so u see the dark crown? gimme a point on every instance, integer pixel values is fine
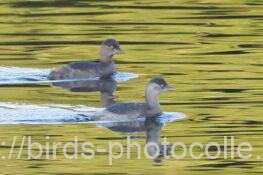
(112, 42)
(160, 81)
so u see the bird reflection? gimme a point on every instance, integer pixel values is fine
(106, 86)
(152, 126)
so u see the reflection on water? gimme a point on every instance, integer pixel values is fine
(44, 114)
(64, 114)
(20, 75)
(152, 126)
(211, 51)
(106, 87)
(17, 75)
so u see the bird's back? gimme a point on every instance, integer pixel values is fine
(83, 69)
(83, 65)
(76, 70)
(122, 112)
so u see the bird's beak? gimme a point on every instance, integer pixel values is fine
(118, 51)
(168, 88)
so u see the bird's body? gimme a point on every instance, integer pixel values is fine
(122, 112)
(86, 69)
(82, 70)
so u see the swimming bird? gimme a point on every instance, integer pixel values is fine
(151, 107)
(86, 69)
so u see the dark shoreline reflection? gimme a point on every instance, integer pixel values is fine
(106, 86)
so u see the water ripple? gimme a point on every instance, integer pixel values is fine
(17, 75)
(13, 113)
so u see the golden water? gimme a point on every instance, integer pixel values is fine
(211, 51)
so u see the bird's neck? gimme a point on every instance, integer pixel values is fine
(105, 56)
(152, 102)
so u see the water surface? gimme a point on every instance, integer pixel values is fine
(210, 51)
